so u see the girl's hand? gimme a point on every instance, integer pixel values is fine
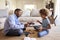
(41, 28)
(38, 21)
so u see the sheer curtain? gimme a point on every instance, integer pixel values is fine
(57, 12)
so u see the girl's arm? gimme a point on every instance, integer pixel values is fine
(39, 21)
(48, 27)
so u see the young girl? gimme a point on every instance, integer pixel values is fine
(45, 23)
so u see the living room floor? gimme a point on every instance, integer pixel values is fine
(54, 34)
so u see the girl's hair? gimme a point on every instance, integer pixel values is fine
(43, 12)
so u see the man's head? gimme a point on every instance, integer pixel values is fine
(18, 12)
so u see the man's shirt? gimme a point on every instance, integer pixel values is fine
(12, 22)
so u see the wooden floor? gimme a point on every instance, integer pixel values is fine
(54, 34)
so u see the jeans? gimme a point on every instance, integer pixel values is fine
(15, 32)
(43, 33)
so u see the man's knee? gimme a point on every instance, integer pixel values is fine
(13, 33)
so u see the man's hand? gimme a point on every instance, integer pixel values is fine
(27, 25)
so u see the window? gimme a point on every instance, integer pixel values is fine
(27, 10)
(29, 6)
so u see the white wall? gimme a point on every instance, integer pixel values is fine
(39, 3)
(12, 4)
(21, 3)
(2, 4)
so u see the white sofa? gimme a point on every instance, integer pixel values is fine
(2, 20)
(22, 19)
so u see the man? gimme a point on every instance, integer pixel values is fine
(12, 26)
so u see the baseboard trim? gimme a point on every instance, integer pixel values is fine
(1, 29)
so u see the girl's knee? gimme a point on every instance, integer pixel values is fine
(43, 33)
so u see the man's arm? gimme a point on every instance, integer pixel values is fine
(13, 25)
